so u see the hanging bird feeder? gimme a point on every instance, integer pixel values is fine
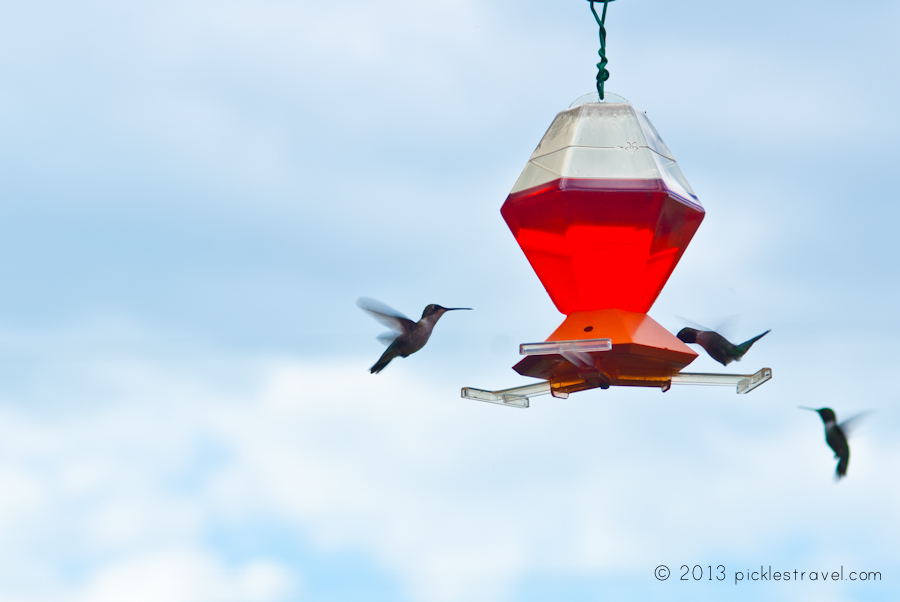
(603, 213)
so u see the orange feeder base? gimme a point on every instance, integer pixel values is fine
(644, 354)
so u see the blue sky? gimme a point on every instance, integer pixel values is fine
(195, 193)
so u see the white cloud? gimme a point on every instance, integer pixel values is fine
(186, 576)
(457, 499)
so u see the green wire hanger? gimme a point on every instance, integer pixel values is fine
(602, 72)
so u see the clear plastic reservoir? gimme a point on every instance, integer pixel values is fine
(602, 210)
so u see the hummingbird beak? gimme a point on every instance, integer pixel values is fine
(458, 308)
(810, 409)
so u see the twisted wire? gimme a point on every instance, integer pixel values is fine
(602, 72)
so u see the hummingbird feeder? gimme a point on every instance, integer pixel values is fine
(603, 213)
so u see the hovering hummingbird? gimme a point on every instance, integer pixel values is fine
(407, 336)
(717, 346)
(836, 437)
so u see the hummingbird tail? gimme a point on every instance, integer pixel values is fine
(745, 346)
(841, 470)
(382, 362)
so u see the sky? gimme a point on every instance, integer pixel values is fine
(193, 195)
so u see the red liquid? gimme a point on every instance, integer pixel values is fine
(602, 244)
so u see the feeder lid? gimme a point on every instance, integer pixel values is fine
(604, 140)
(608, 97)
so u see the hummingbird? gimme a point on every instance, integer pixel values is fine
(717, 346)
(407, 336)
(836, 437)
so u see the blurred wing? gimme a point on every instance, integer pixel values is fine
(388, 316)
(693, 324)
(386, 338)
(728, 327)
(725, 327)
(852, 423)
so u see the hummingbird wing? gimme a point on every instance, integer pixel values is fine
(388, 316)
(852, 423)
(724, 326)
(386, 338)
(693, 324)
